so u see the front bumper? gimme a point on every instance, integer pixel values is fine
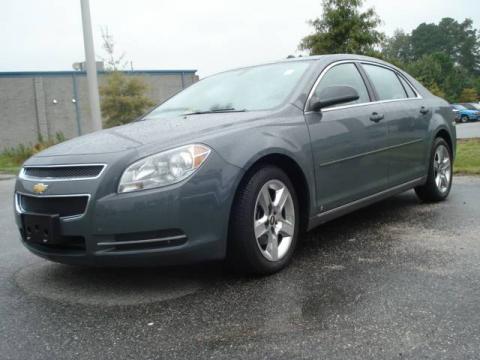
(178, 224)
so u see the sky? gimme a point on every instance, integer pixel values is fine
(205, 35)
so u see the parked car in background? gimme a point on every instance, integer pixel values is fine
(471, 106)
(464, 114)
(237, 165)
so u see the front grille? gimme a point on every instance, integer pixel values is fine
(63, 172)
(62, 206)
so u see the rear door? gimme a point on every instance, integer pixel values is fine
(406, 118)
(347, 142)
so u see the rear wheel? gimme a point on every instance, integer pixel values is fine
(439, 180)
(264, 223)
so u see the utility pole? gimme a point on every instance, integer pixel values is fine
(93, 96)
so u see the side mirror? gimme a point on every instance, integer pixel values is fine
(333, 95)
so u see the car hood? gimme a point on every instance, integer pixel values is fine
(164, 132)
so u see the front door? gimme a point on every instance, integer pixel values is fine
(348, 142)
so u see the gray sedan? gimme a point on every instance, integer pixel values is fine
(236, 166)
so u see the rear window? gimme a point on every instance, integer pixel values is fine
(386, 82)
(408, 88)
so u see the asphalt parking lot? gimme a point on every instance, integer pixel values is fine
(399, 279)
(468, 130)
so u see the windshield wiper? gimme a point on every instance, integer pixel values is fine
(213, 111)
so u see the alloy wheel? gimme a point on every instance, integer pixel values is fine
(274, 220)
(442, 166)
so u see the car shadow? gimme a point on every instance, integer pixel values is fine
(132, 286)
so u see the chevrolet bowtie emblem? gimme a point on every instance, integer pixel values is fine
(39, 188)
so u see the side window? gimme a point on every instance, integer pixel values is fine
(347, 75)
(385, 82)
(408, 88)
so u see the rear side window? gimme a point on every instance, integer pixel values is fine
(346, 75)
(408, 88)
(386, 82)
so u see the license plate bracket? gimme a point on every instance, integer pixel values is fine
(41, 229)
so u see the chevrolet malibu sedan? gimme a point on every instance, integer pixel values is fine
(238, 165)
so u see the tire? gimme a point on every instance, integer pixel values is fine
(257, 217)
(440, 173)
(464, 119)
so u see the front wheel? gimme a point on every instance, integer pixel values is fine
(439, 180)
(264, 223)
(464, 119)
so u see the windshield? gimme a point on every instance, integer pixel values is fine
(459, 107)
(255, 88)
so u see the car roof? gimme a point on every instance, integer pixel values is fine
(335, 57)
(327, 58)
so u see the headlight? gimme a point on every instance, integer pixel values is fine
(164, 168)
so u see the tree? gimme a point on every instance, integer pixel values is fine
(344, 28)
(426, 39)
(398, 47)
(428, 70)
(468, 95)
(476, 84)
(441, 75)
(436, 90)
(445, 57)
(123, 99)
(112, 61)
(457, 40)
(469, 48)
(123, 96)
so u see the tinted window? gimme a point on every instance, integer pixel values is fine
(408, 88)
(385, 82)
(347, 75)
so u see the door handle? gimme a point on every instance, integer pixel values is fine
(424, 110)
(376, 117)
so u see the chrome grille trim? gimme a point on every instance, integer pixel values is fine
(146, 241)
(23, 175)
(20, 210)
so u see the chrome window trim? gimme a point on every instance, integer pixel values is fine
(20, 210)
(324, 71)
(23, 176)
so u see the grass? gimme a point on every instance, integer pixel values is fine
(11, 159)
(8, 165)
(467, 161)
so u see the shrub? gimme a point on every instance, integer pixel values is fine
(123, 99)
(18, 154)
